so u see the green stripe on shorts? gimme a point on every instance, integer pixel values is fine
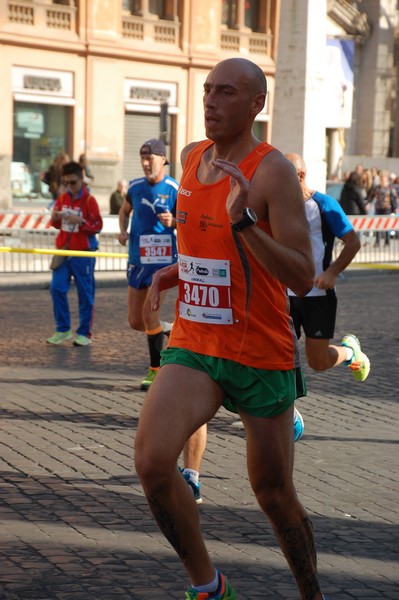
(258, 392)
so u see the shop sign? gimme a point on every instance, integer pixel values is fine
(42, 81)
(50, 84)
(151, 94)
(139, 91)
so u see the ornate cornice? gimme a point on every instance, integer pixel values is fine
(352, 21)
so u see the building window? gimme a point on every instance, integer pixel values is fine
(41, 131)
(132, 6)
(143, 8)
(157, 7)
(229, 13)
(247, 26)
(259, 130)
(251, 14)
(237, 14)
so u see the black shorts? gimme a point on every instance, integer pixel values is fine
(315, 314)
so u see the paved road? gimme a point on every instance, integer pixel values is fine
(74, 523)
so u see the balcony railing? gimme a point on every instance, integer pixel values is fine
(53, 16)
(244, 41)
(157, 30)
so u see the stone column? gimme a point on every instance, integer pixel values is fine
(298, 119)
(373, 100)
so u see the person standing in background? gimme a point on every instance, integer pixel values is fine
(53, 177)
(77, 217)
(352, 195)
(88, 176)
(118, 197)
(385, 200)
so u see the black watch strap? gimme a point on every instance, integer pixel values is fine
(248, 218)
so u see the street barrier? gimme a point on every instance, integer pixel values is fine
(27, 242)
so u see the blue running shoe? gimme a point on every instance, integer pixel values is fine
(224, 592)
(196, 487)
(299, 426)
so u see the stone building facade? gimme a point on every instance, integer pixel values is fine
(100, 77)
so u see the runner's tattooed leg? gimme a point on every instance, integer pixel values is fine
(299, 549)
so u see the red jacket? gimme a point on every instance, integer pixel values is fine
(84, 238)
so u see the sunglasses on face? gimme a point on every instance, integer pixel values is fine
(69, 182)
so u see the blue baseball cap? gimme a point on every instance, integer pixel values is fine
(154, 146)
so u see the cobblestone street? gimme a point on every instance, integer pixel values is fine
(73, 519)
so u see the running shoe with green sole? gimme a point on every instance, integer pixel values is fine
(81, 340)
(59, 337)
(145, 384)
(360, 364)
(224, 592)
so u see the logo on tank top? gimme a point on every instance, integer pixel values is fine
(208, 221)
(181, 216)
(184, 192)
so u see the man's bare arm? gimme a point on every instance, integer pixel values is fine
(123, 218)
(164, 279)
(274, 193)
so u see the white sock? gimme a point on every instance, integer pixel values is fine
(194, 475)
(212, 586)
(349, 353)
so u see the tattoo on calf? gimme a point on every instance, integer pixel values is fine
(167, 526)
(299, 549)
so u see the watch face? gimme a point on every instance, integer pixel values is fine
(251, 214)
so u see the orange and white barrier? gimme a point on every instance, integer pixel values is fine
(10, 219)
(23, 220)
(27, 239)
(374, 223)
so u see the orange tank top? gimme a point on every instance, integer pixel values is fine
(228, 306)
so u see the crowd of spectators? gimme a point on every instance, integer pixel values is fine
(370, 191)
(367, 183)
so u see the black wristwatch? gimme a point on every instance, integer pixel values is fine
(248, 218)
